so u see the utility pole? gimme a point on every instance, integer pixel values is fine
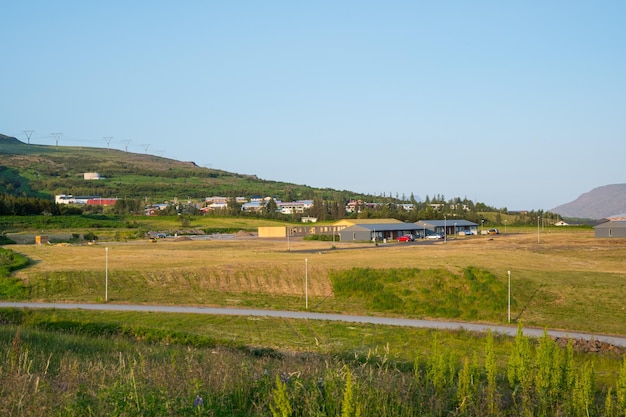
(509, 296)
(145, 147)
(125, 142)
(306, 283)
(106, 275)
(56, 137)
(28, 134)
(108, 139)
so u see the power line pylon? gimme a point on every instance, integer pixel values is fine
(28, 134)
(56, 137)
(125, 142)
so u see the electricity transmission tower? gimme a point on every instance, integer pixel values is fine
(56, 137)
(145, 147)
(125, 142)
(28, 134)
(108, 139)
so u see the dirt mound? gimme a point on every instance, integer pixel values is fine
(243, 233)
(590, 346)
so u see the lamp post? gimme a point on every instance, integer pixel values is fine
(306, 283)
(106, 274)
(445, 229)
(454, 229)
(509, 296)
(288, 243)
(505, 227)
(537, 229)
(482, 227)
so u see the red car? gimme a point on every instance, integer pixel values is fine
(405, 238)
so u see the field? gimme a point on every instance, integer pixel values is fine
(569, 280)
(156, 364)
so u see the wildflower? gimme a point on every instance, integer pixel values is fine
(198, 401)
(320, 384)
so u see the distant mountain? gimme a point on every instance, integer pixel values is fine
(599, 203)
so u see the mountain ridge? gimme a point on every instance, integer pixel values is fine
(599, 203)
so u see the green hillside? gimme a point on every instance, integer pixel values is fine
(44, 171)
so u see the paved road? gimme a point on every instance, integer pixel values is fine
(386, 321)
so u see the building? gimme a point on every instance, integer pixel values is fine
(328, 230)
(253, 206)
(447, 227)
(91, 176)
(92, 200)
(99, 201)
(377, 231)
(614, 229)
(294, 207)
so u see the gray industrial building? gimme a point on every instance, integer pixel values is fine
(378, 231)
(391, 231)
(615, 229)
(448, 226)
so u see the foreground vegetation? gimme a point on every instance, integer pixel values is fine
(78, 367)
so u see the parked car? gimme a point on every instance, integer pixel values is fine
(493, 232)
(434, 236)
(406, 238)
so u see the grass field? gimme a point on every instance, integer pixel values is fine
(567, 280)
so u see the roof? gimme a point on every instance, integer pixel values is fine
(617, 217)
(619, 224)
(352, 222)
(383, 227)
(448, 222)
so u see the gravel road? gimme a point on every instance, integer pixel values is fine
(385, 321)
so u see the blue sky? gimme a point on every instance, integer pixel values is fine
(515, 104)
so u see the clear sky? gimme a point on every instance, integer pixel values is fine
(517, 104)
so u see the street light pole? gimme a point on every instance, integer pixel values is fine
(537, 229)
(106, 274)
(509, 296)
(505, 227)
(306, 283)
(445, 229)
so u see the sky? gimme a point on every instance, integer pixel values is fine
(515, 104)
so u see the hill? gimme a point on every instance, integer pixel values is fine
(45, 171)
(599, 203)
